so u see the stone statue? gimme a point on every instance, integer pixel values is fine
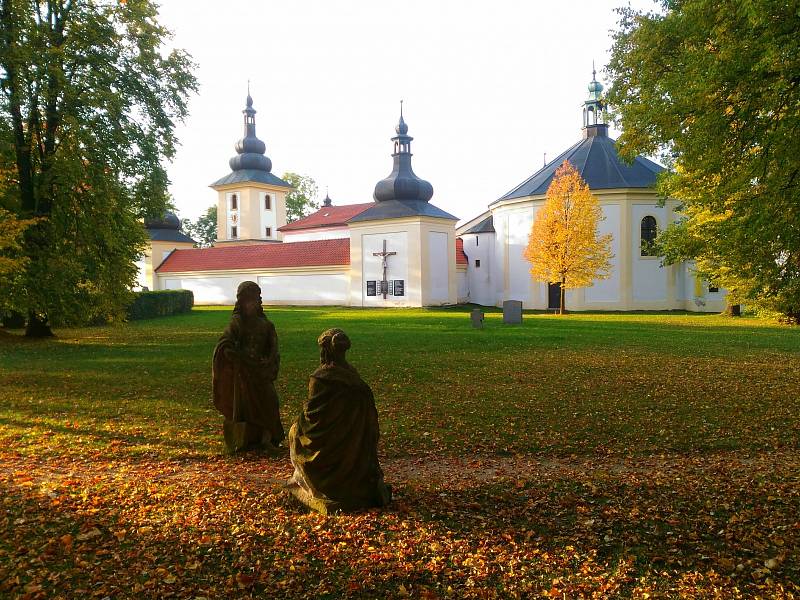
(245, 366)
(333, 444)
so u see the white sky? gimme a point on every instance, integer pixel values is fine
(488, 86)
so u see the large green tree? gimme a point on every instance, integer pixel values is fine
(714, 85)
(88, 102)
(300, 201)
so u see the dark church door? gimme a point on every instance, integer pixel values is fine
(554, 296)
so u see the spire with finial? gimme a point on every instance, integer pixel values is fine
(593, 115)
(401, 128)
(250, 150)
(402, 184)
(327, 201)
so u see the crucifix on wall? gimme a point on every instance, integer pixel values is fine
(384, 281)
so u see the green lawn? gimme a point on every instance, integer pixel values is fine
(594, 454)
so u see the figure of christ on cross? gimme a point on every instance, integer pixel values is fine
(384, 281)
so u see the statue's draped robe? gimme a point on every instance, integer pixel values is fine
(255, 341)
(333, 444)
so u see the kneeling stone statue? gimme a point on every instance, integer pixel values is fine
(333, 444)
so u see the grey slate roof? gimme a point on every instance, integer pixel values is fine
(168, 235)
(394, 209)
(245, 175)
(485, 226)
(596, 159)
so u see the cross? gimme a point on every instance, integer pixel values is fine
(383, 255)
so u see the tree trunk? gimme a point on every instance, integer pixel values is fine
(37, 326)
(562, 309)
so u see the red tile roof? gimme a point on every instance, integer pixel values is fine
(317, 253)
(461, 257)
(328, 216)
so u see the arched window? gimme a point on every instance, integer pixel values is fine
(234, 201)
(649, 233)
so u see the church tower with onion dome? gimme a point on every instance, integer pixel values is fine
(251, 205)
(402, 248)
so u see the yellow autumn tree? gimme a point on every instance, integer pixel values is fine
(564, 246)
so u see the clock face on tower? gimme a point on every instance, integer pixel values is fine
(234, 218)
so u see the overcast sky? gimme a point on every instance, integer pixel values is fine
(489, 87)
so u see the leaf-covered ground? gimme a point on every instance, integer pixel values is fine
(632, 455)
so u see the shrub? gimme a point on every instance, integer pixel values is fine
(148, 305)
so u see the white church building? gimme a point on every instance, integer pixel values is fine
(401, 250)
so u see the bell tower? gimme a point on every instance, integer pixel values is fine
(251, 203)
(594, 110)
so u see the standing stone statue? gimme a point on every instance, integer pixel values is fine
(333, 444)
(245, 366)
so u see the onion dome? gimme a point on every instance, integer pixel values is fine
(402, 184)
(595, 87)
(168, 221)
(250, 150)
(402, 128)
(327, 201)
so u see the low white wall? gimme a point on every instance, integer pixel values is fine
(311, 289)
(206, 290)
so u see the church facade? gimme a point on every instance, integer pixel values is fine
(401, 250)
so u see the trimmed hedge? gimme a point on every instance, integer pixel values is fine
(163, 303)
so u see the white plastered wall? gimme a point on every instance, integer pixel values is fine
(479, 281)
(636, 282)
(397, 267)
(322, 233)
(314, 286)
(414, 242)
(438, 266)
(462, 285)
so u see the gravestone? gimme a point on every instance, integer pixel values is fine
(477, 318)
(512, 312)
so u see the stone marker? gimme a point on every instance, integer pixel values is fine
(477, 318)
(333, 444)
(244, 368)
(512, 312)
